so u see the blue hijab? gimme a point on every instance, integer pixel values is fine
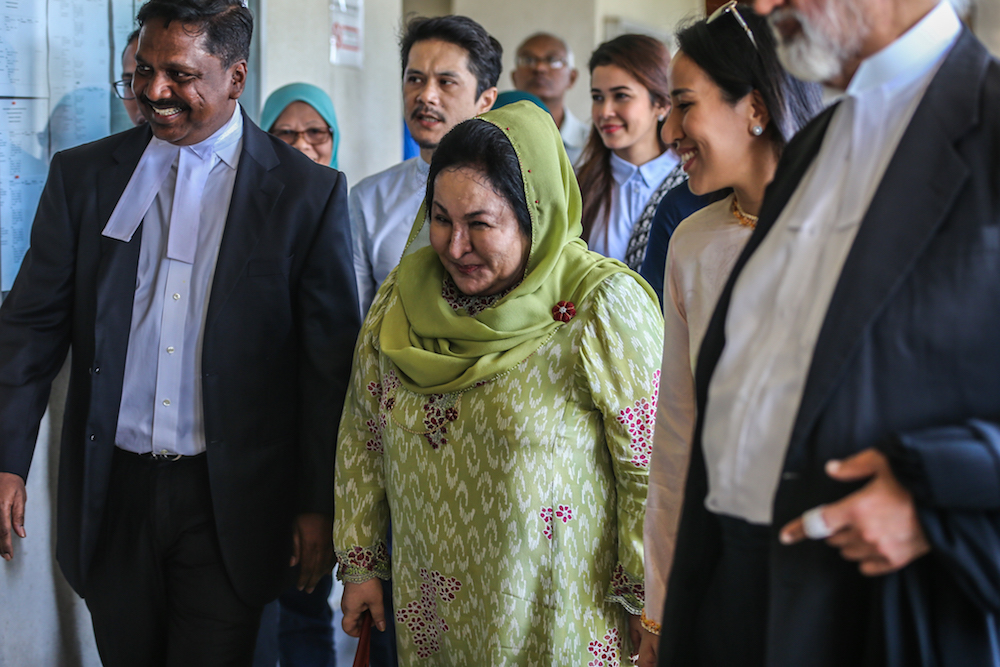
(279, 100)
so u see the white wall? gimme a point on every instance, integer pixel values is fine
(368, 101)
(514, 20)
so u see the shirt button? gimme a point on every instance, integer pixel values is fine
(166, 401)
(176, 296)
(93, 437)
(170, 350)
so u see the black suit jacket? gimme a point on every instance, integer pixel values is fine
(907, 360)
(279, 335)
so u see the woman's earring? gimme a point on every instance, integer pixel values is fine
(661, 117)
(757, 130)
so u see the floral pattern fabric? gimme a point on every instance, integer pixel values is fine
(517, 505)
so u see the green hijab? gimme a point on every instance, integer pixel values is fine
(312, 95)
(440, 350)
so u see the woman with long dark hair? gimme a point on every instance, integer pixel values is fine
(625, 169)
(733, 110)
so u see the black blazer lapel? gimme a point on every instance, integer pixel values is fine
(900, 222)
(254, 195)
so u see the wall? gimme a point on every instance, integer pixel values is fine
(427, 7)
(988, 24)
(296, 47)
(580, 22)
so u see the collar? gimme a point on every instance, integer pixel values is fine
(651, 174)
(153, 167)
(422, 167)
(225, 142)
(912, 55)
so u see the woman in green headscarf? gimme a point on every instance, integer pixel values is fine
(302, 115)
(501, 407)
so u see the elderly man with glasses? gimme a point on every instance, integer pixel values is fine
(544, 67)
(123, 87)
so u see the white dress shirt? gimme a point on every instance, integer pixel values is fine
(634, 186)
(161, 408)
(574, 133)
(780, 299)
(382, 209)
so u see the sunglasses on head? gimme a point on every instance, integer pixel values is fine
(730, 8)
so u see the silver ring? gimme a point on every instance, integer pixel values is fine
(814, 525)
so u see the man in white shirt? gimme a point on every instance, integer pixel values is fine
(544, 67)
(450, 71)
(849, 384)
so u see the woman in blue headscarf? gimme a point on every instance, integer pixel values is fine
(302, 115)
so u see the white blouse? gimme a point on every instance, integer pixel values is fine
(635, 185)
(700, 257)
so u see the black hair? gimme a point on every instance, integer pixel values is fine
(226, 24)
(483, 146)
(132, 37)
(723, 50)
(485, 52)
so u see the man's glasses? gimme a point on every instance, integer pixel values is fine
(123, 89)
(730, 8)
(314, 135)
(552, 62)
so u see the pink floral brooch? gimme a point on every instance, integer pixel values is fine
(563, 311)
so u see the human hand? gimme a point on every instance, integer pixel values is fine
(12, 500)
(312, 548)
(635, 635)
(648, 649)
(876, 525)
(359, 598)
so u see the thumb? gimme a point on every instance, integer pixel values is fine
(377, 610)
(17, 518)
(860, 466)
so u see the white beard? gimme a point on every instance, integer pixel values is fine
(829, 38)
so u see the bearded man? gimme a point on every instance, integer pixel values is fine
(844, 485)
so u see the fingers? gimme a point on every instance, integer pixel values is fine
(12, 501)
(377, 609)
(792, 532)
(823, 521)
(352, 623)
(863, 464)
(308, 578)
(315, 561)
(313, 549)
(876, 526)
(359, 599)
(818, 523)
(648, 649)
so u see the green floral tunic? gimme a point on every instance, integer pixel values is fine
(517, 505)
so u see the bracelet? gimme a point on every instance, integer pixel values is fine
(649, 626)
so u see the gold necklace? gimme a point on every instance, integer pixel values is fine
(742, 217)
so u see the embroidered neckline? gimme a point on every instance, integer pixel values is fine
(472, 305)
